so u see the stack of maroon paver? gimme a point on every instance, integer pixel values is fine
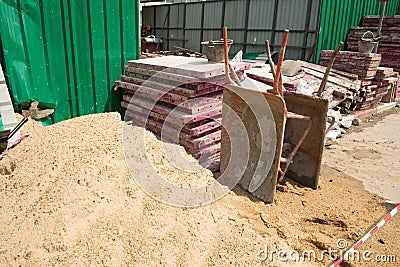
(389, 45)
(375, 81)
(179, 99)
(364, 65)
(388, 77)
(371, 93)
(265, 76)
(384, 73)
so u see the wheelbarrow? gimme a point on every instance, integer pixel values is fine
(299, 122)
(305, 162)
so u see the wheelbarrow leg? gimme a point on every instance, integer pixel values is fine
(287, 161)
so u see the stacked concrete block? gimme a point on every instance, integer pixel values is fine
(389, 78)
(374, 83)
(264, 75)
(371, 93)
(389, 45)
(363, 65)
(179, 99)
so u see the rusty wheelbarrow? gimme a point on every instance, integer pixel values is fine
(296, 131)
(305, 129)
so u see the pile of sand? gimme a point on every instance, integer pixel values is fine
(67, 198)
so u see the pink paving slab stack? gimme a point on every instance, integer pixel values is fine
(364, 65)
(179, 99)
(376, 81)
(389, 45)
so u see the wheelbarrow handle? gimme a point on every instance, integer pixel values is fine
(270, 60)
(278, 87)
(225, 33)
(228, 66)
(328, 69)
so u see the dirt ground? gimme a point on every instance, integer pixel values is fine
(370, 153)
(68, 199)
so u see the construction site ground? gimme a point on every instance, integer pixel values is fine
(67, 198)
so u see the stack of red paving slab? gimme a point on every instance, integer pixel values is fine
(384, 73)
(388, 77)
(376, 81)
(364, 65)
(371, 93)
(389, 44)
(179, 99)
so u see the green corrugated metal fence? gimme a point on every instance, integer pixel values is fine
(338, 15)
(67, 53)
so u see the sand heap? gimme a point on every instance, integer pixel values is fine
(67, 198)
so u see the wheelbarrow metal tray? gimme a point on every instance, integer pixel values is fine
(306, 165)
(233, 100)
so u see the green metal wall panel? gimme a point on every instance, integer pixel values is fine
(66, 54)
(337, 16)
